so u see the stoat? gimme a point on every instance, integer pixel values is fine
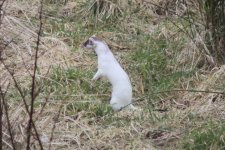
(109, 67)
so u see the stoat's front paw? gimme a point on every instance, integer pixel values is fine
(94, 79)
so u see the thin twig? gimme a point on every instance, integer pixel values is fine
(196, 91)
(7, 143)
(55, 119)
(33, 86)
(20, 92)
(23, 98)
(176, 90)
(1, 111)
(7, 115)
(2, 100)
(1, 114)
(2, 3)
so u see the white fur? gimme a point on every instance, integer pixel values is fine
(109, 67)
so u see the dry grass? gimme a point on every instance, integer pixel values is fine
(20, 32)
(102, 9)
(75, 118)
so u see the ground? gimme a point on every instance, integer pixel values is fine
(177, 90)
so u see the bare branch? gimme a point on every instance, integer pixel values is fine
(1, 114)
(33, 86)
(23, 98)
(7, 115)
(56, 118)
(196, 91)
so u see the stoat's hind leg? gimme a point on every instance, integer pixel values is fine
(116, 104)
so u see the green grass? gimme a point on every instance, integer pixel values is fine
(93, 110)
(208, 136)
(151, 63)
(74, 81)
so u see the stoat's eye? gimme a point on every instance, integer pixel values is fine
(90, 42)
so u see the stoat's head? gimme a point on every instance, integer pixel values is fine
(91, 43)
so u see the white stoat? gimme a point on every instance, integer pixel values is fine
(109, 67)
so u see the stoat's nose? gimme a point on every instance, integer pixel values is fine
(85, 44)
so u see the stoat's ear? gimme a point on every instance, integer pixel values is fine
(94, 38)
(91, 42)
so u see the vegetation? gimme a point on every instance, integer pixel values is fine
(172, 50)
(208, 136)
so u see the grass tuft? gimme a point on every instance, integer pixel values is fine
(207, 136)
